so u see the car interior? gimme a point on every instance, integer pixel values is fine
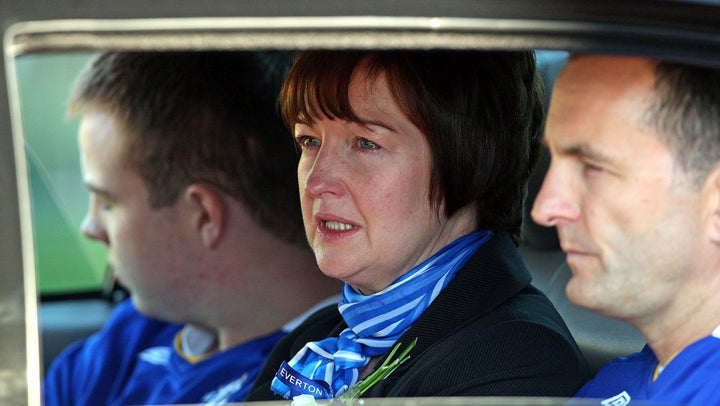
(600, 338)
(35, 328)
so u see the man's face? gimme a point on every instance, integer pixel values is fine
(628, 220)
(145, 245)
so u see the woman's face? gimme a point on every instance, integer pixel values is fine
(364, 191)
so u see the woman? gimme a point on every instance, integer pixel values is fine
(412, 179)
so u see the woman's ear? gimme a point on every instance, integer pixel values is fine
(207, 212)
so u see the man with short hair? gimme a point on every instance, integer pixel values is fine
(187, 166)
(634, 191)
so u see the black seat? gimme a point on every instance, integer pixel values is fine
(540, 247)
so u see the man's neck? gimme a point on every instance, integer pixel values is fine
(228, 337)
(669, 335)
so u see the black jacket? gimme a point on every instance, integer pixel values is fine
(488, 333)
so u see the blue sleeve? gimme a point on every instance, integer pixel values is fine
(95, 370)
(58, 388)
(75, 368)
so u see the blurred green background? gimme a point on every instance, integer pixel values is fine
(67, 263)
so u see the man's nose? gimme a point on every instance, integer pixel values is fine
(555, 201)
(93, 230)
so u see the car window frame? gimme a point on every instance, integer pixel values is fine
(677, 30)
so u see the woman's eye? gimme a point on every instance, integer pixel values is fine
(306, 141)
(364, 143)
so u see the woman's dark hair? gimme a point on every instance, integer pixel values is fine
(481, 113)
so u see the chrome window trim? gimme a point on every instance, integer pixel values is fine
(365, 32)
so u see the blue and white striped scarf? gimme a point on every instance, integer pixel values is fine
(375, 322)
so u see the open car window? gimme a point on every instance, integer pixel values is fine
(42, 199)
(66, 263)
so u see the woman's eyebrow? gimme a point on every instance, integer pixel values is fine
(376, 123)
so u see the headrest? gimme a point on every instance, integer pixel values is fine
(535, 235)
(549, 64)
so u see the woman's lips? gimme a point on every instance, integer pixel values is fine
(334, 227)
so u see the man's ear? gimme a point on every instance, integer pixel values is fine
(207, 212)
(712, 184)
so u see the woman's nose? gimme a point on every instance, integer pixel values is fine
(323, 175)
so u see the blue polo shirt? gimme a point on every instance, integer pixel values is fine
(691, 378)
